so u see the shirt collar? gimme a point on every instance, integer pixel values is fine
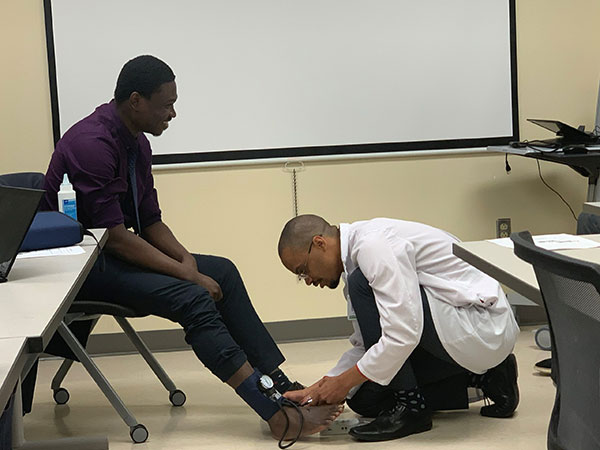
(344, 238)
(122, 130)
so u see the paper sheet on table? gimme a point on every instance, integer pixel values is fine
(60, 251)
(561, 241)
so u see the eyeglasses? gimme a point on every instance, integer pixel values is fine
(302, 274)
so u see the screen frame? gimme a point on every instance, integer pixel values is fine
(310, 151)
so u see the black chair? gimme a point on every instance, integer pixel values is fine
(90, 310)
(571, 292)
(30, 180)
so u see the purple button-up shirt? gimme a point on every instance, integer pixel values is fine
(93, 153)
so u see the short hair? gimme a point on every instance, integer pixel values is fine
(299, 231)
(144, 74)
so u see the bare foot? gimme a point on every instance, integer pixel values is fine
(316, 418)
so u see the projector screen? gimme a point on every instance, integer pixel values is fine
(277, 78)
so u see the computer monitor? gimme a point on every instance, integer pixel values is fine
(17, 210)
(567, 133)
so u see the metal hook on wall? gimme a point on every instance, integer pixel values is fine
(293, 167)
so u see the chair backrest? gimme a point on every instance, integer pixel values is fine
(31, 180)
(28, 180)
(570, 289)
(588, 223)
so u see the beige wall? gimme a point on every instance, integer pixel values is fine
(25, 128)
(238, 212)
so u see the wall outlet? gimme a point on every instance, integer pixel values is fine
(503, 227)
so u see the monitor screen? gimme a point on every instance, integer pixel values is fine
(17, 210)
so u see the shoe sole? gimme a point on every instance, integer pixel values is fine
(543, 370)
(390, 436)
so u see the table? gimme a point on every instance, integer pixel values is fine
(587, 165)
(592, 207)
(40, 291)
(33, 302)
(12, 360)
(502, 264)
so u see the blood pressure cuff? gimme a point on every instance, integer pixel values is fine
(258, 401)
(51, 229)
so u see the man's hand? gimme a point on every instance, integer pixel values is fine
(303, 396)
(331, 391)
(159, 251)
(209, 284)
(213, 288)
(190, 262)
(328, 390)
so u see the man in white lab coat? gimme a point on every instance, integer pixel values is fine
(428, 325)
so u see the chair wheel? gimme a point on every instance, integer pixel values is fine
(177, 397)
(61, 396)
(138, 433)
(542, 338)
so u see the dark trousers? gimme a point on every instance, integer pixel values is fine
(442, 381)
(223, 334)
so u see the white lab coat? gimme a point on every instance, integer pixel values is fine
(470, 312)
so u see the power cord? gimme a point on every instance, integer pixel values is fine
(554, 190)
(506, 165)
(541, 146)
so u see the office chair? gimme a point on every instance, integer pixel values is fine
(30, 180)
(571, 292)
(90, 310)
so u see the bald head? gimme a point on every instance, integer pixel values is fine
(299, 231)
(310, 248)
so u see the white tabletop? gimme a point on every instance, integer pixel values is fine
(12, 351)
(39, 292)
(502, 264)
(592, 207)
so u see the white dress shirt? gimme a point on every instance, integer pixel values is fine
(470, 312)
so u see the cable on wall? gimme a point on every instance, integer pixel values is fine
(554, 190)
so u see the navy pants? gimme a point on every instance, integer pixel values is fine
(223, 334)
(442, 381)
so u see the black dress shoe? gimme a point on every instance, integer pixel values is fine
(544, 366)
(393, 424)
(500, 385)
(296, 386)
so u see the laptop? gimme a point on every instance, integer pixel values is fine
(568, 135)
(17, 210)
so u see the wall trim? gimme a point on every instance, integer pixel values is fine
(283, 331)
(173, 339)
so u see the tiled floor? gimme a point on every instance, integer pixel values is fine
(215, 418)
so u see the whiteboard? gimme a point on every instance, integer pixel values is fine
(279, 78)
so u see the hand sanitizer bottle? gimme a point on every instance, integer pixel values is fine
(67, 203)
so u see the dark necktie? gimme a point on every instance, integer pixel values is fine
(131, 159)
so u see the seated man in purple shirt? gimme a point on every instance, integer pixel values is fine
(108, 160)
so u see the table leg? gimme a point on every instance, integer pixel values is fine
(594, 192)
(18, 436)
